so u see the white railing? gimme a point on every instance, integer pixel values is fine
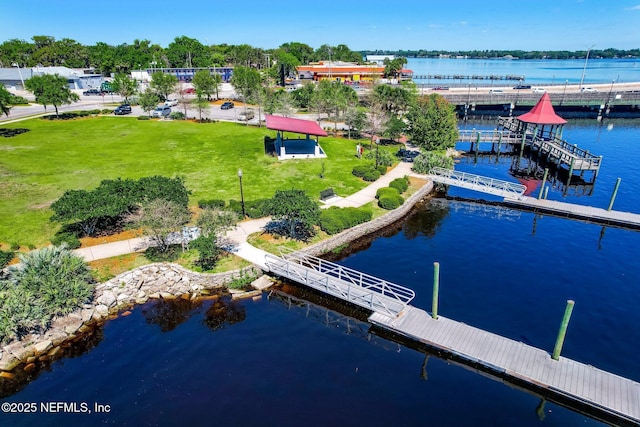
(477, 182)
(342, 282)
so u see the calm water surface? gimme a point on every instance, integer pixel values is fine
(257, 363)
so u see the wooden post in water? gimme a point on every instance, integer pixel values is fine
(544, 181)
(436, 286)
(563, 330)
(613, 196)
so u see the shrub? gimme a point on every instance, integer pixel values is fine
(212, 204)
(177, 115)
(400, 184)
(387, 191)
(371, 175)
(70, 239)
(334, 219)
(17, 100)
(430, 159)
(252, 208)
(5, 257)
(389, 201)
(144, 118)
(382, 169)
(360, 170)
(49, 282)
(106, 111)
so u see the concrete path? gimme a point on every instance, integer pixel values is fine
(245, 228)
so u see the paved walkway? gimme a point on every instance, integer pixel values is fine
(244, 228)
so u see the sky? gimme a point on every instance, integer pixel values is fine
(360, 24)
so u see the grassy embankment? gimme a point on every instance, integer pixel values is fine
(54, 156)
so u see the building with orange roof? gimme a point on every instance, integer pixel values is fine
(346, 72)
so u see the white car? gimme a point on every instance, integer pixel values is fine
(161, 111)
(246, 115)
(588, 90)
(538, 90)
(171, 102)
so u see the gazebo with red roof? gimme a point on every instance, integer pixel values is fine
(542, 120)
(296, 148)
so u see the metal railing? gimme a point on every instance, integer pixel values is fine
(350, 285)
(477, 182)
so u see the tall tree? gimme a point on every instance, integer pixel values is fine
(148, 100)
(432, 123)
(124, 85)
(163, 84)
(5, 101)
(51, 89)
(248, 83)
(393, 67)
(187, 52)
(204, 83)
(159, 218)
(297, 211)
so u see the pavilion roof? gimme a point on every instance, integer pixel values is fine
(542, 113)
(288, 124)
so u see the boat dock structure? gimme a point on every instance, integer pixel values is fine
(597, 393)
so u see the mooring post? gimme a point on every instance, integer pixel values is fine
(563, 330)
(615, 193)
(544, 181)
(436, 286)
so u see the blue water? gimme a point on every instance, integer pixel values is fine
(256, 363)
(543, 71)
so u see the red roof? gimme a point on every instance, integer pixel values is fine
(287, 124)
(542, 113)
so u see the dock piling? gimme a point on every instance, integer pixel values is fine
(436, 286)
(615, 193)
(563, 330)
(544, 181)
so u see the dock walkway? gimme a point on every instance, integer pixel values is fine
(606, 394)
(570, 210)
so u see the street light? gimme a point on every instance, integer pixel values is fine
(564, 91)
(241, 193)
(15, 64)
(584, 69)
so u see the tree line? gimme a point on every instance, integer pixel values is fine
(609, 53)
(181, 52)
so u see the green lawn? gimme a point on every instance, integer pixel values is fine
(36, 167)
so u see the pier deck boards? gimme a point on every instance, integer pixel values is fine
(586, 384)
(588, 213)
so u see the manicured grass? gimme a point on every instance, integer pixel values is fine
(38, 166)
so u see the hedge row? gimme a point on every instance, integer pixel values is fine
(369, 172)
(335, 219)
(389, 198)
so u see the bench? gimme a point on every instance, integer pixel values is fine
(327, 194)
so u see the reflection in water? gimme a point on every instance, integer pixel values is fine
(426, 219)
(224, 312)
(21, 376)
(168, 314)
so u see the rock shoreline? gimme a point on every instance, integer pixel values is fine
(152, 281)
(166, 281)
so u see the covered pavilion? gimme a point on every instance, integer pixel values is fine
(296, 148)
(542, 121)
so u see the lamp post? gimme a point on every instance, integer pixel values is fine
(15, 64)
(584, 69)
(377, 150)
(241, 193)
(564, 91)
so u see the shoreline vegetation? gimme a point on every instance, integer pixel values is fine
(21, 360)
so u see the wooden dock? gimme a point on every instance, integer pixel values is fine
(570, 210)
(609, 396)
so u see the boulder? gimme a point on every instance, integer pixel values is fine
(101, 311)
(43, 347)
(8, 361)
(18, 350)
(107, 298)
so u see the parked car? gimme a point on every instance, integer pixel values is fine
(171, 102)
(522, 87)
(246, 115)
(92, 92)
(588, 90)
(441, 88)
(189, 91)
(161, 111)
(538, 90)
(497, 91)
(122, 109)
(226, 105)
